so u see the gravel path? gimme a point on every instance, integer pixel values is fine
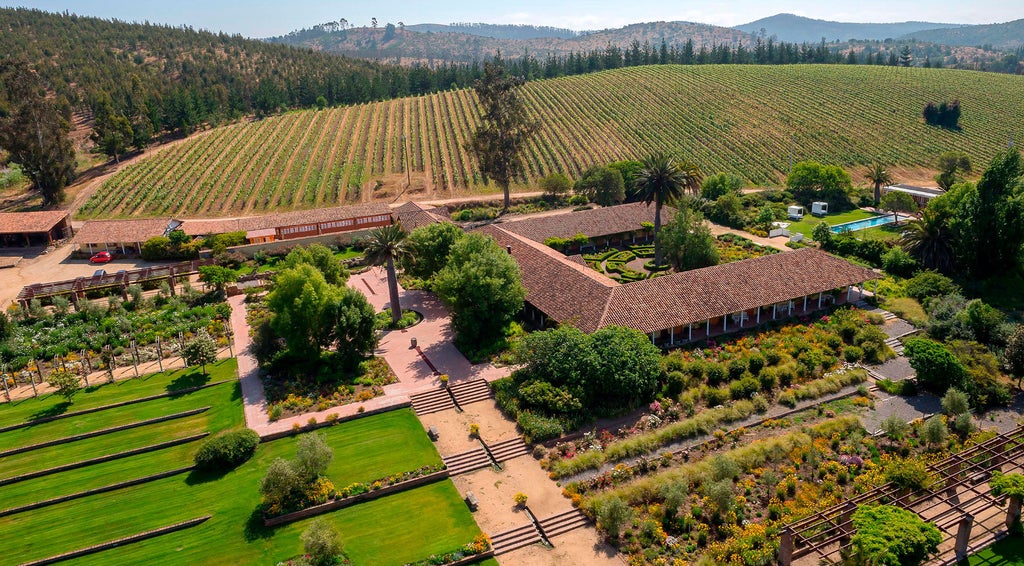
(896, 369)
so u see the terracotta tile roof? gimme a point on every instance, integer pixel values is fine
(593, 223)
(413, 215)
(30, 222)
(312, 216)
(695, 296)
(565, 291)
(116, 231)
(568, 291)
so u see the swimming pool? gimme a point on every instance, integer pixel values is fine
(863, 223)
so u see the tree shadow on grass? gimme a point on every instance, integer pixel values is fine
(51, 411)
(254, 527)
(197, 476)
(194, 378)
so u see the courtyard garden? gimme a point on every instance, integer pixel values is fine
(636, 262)
(388, 530)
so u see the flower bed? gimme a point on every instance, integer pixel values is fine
(299, 395)
(480, 545)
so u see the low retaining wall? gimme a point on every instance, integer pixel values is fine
(319, 425)
(102, 459)
(111, 406)
(368, 496)
(102, 432)
(98, 490)
(120, 542)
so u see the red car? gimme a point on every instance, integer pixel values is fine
(102, 257)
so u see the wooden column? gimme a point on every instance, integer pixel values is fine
(786, 547)
(963, 537)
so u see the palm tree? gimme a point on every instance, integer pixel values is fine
(880, 176)
(384, 246)
(663, 179)
(930, 241)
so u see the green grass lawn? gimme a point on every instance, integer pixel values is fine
(387, 531)
(104, 394)
(1007, 552)
(806, 226)
(887, 232)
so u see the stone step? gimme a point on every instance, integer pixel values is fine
(568, 526)
(564, 522)
(431, 402)
(466, 461)
(509, 449)
(471, 391)
(515, 539)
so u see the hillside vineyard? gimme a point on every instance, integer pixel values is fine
(743, 119)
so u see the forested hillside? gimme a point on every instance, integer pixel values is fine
(744, 119)
(1008, 36)
(163, 77)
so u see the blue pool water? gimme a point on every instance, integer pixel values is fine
(863, 223)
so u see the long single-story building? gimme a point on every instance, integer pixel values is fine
(921, 195)
(680, 307)
(127, 236)
(610, 225)
(33, 228)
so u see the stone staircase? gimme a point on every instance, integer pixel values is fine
(896, 345)
(515, 539)
(432, 401)
(508, 449)
(562, 523)
(465, 462)
(471, 391)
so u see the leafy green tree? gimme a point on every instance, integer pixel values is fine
(627, 367)
(613, 514)
(934, 431)
(720, 184)
(217, 275)
(505, 129)
(952, 165)
(890, 536)
(662, 180)
(1013, 356)
(64, 383)
(385, 246)
(728, 210)
(114, 136)
(956, 402)
(930, 241)
(996, 217)
(895, 428)
(765, 217)
(823, 234)
(879, 176)
(200, 350)
(602, 185)
(899, 262)
(312, 456)
(555, 186)
(280, 482)
(321, 542)
(896, 202)
(687, 241)
(629, 170)
(303, 307)
(429, 247)
(812, 181)
(320, 257)
(33, 132)
(937, 368)
(563, 356)
(353, 327)
(483, 288)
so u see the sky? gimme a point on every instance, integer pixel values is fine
(265, 18)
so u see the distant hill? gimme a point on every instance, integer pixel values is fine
(798, 29)
(742, 119)
(1007, 37)
(497, 31)
(409, 45)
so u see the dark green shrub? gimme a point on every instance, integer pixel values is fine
(550, 399)
(227, 450)
(736, 369)
(769, 378)
(538, 428)
(927, 284)
(756, 363)
(714, 396)
(853, 354)
(715, 373)
(675, 383)
(744, 388)
(898, 262)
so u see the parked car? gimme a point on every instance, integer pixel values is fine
(101, 257)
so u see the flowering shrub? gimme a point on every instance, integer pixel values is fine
(359, 487)
(481, 543)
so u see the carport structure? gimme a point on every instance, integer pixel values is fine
(33, 228)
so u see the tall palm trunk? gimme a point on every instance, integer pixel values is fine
(878, 194)
(396, 308)
(657, 228)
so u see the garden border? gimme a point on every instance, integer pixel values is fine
(94, 491)
(325, 423)
(352, 500)
(121, 541)
(25, 424)
(471, 559)
(102, 459)
(101, 432)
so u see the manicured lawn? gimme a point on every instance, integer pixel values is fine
(107, 393)
(806, 226)
(887, 232)
(393, 529)
(213, 397)
(1007, 552)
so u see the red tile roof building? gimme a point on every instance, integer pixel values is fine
(28, 228)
